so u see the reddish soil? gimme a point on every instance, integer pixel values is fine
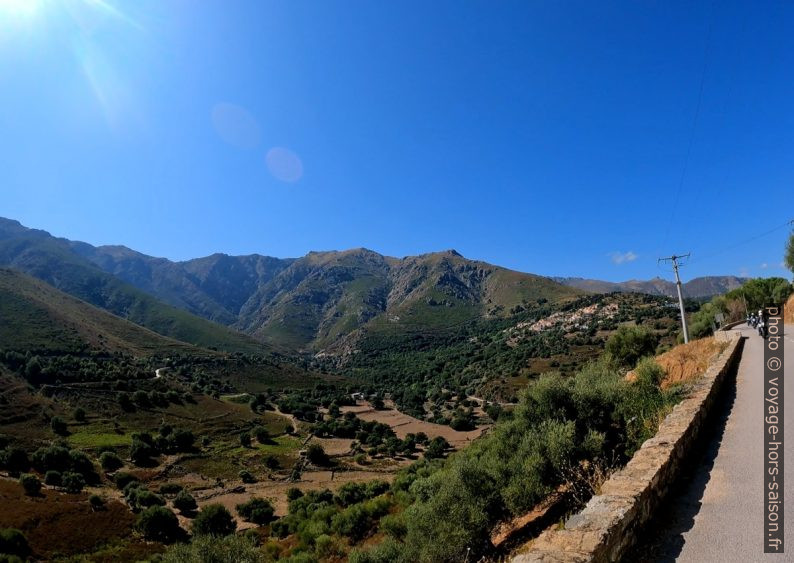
(403, 424)
(61, 524)
(276, 491)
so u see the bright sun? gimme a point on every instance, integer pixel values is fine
(19, 8)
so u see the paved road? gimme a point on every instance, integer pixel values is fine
(717, 513)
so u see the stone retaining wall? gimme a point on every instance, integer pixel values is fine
(608, 525)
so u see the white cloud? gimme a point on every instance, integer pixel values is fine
(621, 257)
(764, 266)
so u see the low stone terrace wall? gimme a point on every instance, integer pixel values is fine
(610, 522)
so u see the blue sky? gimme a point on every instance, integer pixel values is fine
(562, 138)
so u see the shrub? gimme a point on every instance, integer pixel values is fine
(184, 502)
(350, 493)
(245, 439)
(182, 441)
(14, 542)
(170, 488)
(141, 398)
(214, 520)
(58, 425)
(79, 414)
(246, 476)
(326, 547)
(628, 344)
(73, 482)
(53, 478)
(316, 455)
(262, 435)
(394, 526)
(141, 452)
(80, 463)
(125, 402)
(648, 372)
(375, 488)
(294, 493)
(30, 483)
(257, 510)
(16, 460)
(239, 549)
(110, 461)
(52, 457)
(436, 448)
(145, 498)
(122, 479)
(159, 524)
(271, 462)
(96, 502)
(385, 552)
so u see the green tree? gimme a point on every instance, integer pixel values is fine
(96, 502)
(158, 523)
(30, 483)
(14, 542)
(262, 435)
(110, 461)
(184, 502)
(15, 459)
(214, 520)
(628, 344)
(58, 425)
(141, 453)
(73, 482)
(315, 453)
(207, 549)
(788, 259)
(257, 510)
(53, 478)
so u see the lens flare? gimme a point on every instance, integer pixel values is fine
(18, 8)
(284, 164)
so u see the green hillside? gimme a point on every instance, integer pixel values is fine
(53, 261)
(34, 316)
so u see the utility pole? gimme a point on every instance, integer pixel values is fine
(674, 259)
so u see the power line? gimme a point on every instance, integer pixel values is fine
(694, 129)
(745, 241)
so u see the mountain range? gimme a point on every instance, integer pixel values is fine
(320, 302)
(707, 286)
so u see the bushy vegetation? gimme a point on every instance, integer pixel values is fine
(13, 542)
(110, 461)
(145, 446)
(630, 343)
(734, 305)
(30, 483)
(434, 366)
(316, 516)
(214, 520)
(159, 524)
(68, 462)
(257, 510)
(204, 549)
(558, 423)
(184, 502)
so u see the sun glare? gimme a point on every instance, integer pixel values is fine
(17, 8)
